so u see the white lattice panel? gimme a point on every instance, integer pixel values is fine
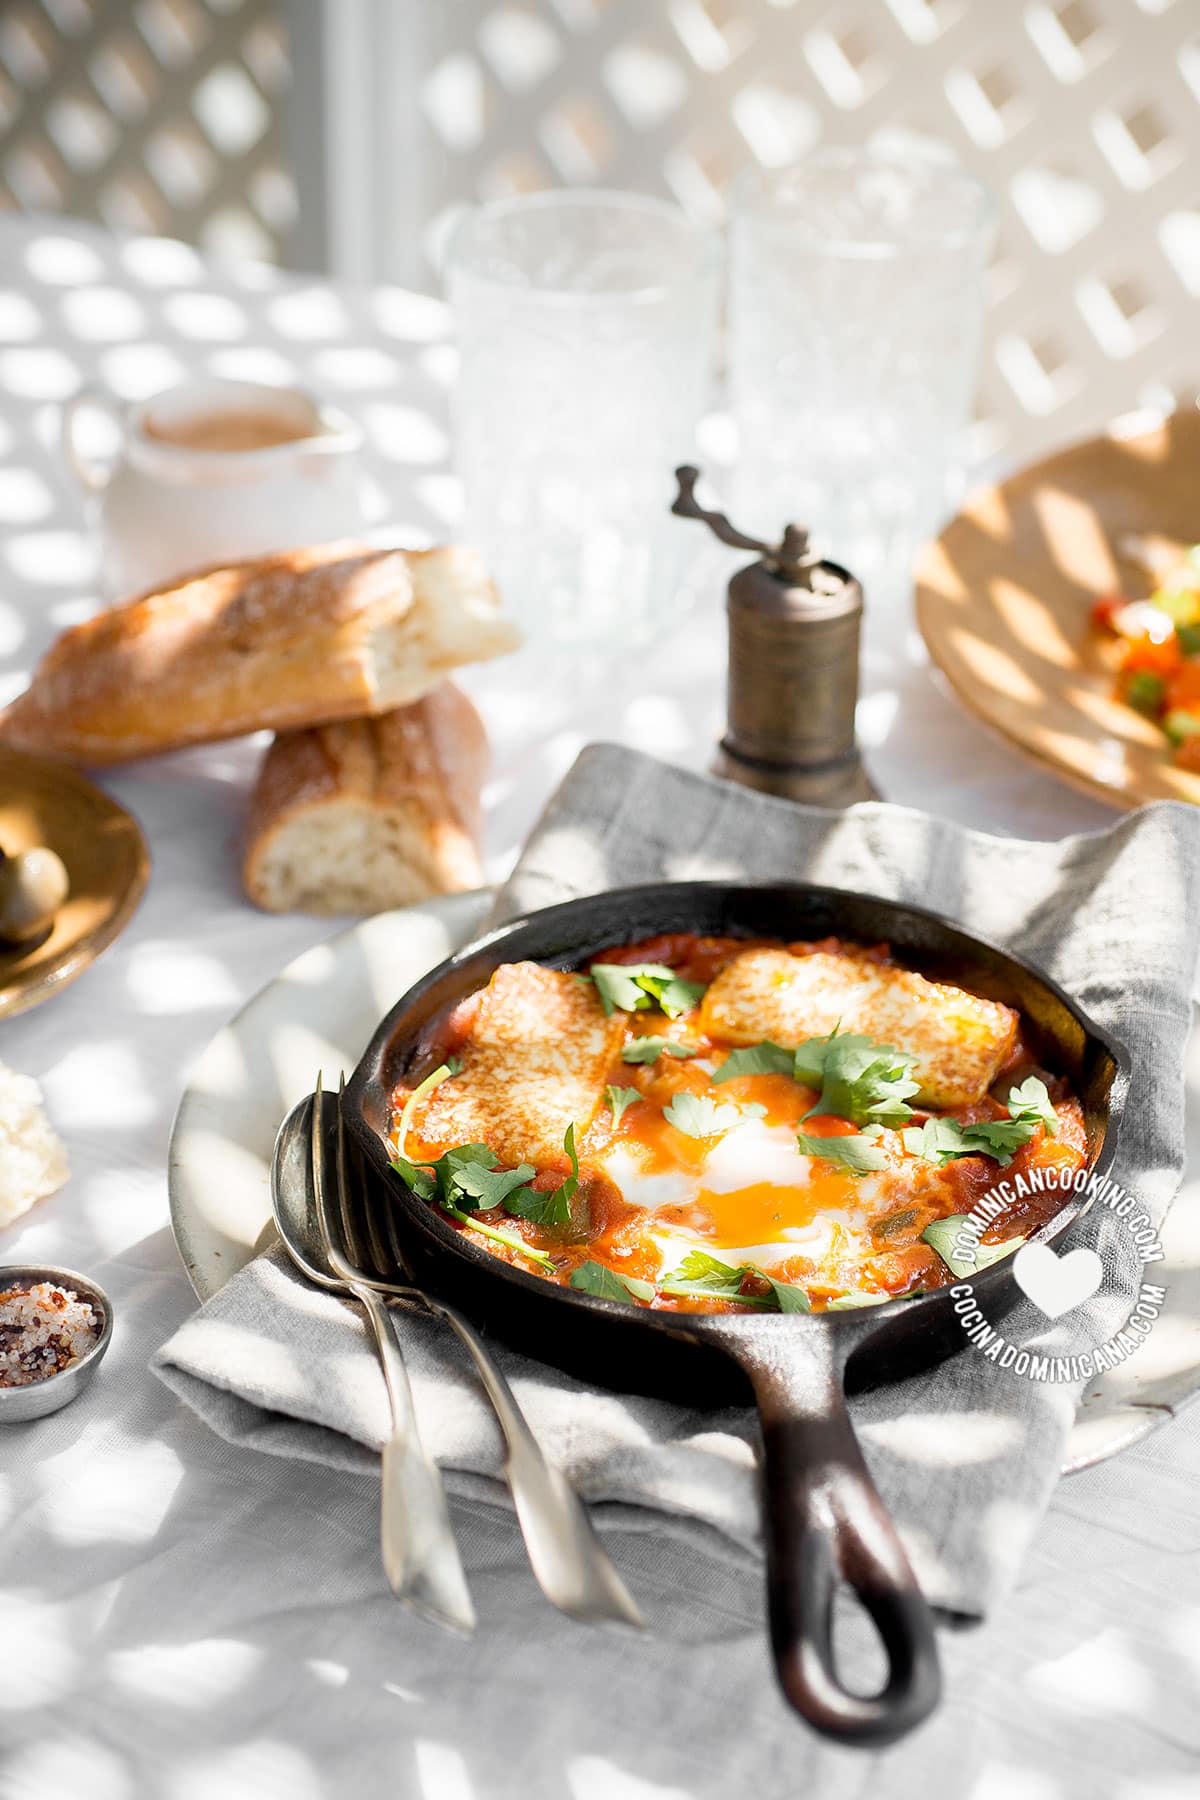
(150, 115)
(1083, 116)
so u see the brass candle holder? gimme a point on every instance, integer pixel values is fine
(793, 667)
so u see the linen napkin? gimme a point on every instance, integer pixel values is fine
(966, 1454)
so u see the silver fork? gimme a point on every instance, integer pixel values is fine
(420, 1557)
(569, 1563)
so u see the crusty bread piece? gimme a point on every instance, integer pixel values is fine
(372, 813)
(33, 1162)
(290, 640)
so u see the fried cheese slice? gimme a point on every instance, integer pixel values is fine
(535, 1060)
(959, 1041)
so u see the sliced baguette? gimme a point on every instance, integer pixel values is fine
(283, 641)
(374, 813)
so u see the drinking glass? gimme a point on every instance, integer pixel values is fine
(585, 324)
(856, 300)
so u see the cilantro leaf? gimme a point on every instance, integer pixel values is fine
(941, 1141)
(676, 996)
(943, 1236)
(467, 1178)
(465, 1182)
(633, 987)
(700, 1270)
(620, 1099)
(999, 1138)
(861, 1081)
(860, 1154)
(791, 1299)
(540, 1207)
(488, 1187)
(554, 1207)
(808, 1058)
(699, 1117)
(1031, 1100)
(419, 1180)
(454, 1165)
(700, 1274)
(619, 988)
(937, 1140)
(757, 1059)
(604, 1283)
(649, 1049)
(443, 1178)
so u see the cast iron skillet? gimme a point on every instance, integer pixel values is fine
(823, 1519)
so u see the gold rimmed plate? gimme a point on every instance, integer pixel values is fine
(1004, 601)
(43, 802)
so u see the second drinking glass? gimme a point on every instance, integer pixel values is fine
(856, 300)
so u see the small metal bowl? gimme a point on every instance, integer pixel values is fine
(54, 1391)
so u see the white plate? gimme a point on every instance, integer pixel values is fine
(320, 1013)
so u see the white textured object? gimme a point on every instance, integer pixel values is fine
(33, 1161)
(165, 115)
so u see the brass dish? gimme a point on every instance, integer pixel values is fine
(1004, 597)
(44, 802)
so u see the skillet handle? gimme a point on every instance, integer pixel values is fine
(824, 1523)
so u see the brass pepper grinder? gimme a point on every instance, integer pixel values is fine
(793, 667)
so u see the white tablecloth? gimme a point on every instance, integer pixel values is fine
(187, 1621)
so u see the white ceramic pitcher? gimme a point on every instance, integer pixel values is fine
(164, 506)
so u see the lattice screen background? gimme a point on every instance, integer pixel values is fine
(162, 116)
(1083, 115)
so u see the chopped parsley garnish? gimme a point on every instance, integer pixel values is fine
(943, 1236)
(861, 1153)
(619, 1100)
(864, 1082)
(553, 1208)
(634, 987)
(699, 1117)
(757, 1059)
(649, 1049)
(604, 1283)
(466, 1182)
(488, 1187)
(699, 1275)
(790, 1299)
(867, 1083)
(944, 1140)
(1031, 1100)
